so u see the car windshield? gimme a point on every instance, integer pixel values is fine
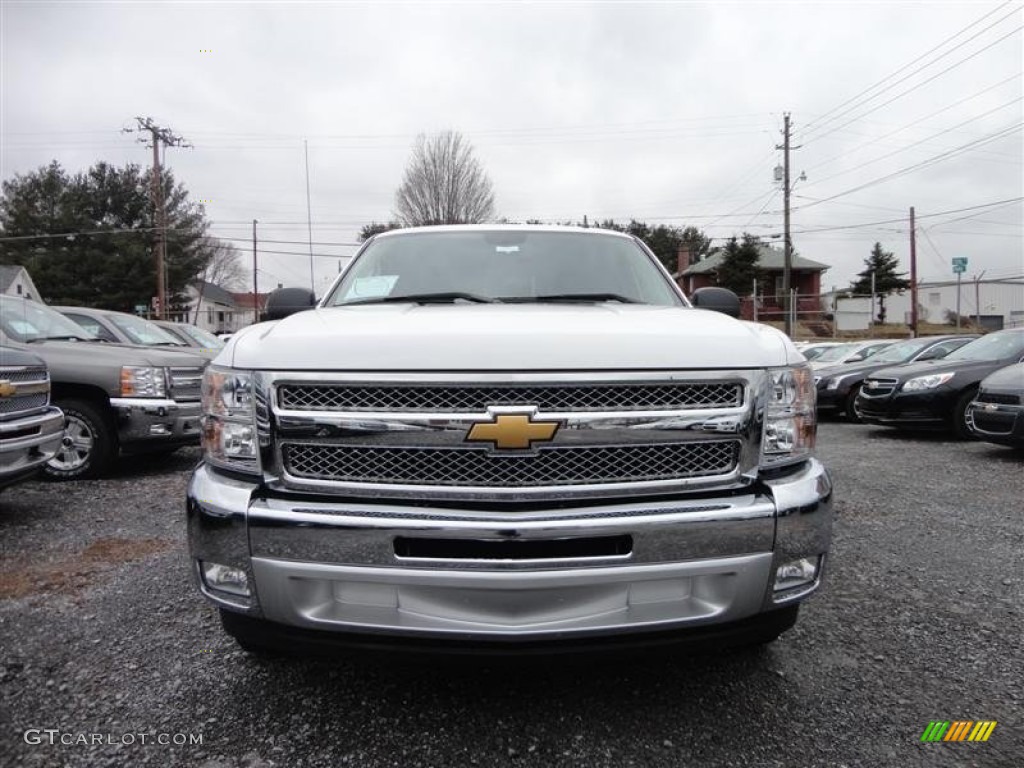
(832, 354)
(900, 353)
(205, 338)
(503, 265)
(814, 352)
(141, 331)
(1002, 345)
(26, 321)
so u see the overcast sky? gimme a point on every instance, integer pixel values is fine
(664, 112)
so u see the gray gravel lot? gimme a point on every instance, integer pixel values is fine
(921, 620)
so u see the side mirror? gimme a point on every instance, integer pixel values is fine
(717, 300)
(933, 354)
(857, 358)
(288, 301)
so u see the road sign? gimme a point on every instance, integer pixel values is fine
(958, 268)
(959, 261)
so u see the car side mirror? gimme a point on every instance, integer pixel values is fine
(288, 301)
(934, 354)
(856, 358)
(717, 300)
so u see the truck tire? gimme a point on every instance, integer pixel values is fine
(959, 423)
(89, 444)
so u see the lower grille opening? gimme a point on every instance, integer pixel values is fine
(475, 549)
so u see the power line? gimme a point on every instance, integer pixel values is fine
(822, 122)
(924, 163)
(919, 85)
(915, 122)
(916, 143)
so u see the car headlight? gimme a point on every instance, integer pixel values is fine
(229, 419)
(143, 381)
(834, 382)
(930, 381)
(789, 421)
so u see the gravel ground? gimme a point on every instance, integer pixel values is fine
(921, 620)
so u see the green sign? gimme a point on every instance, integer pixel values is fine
(959, 261)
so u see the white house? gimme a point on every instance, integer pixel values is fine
(16, 281)
(218, 312)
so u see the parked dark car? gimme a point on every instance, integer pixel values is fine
(30, 428)
(937, 393)
(838, 386)
(997, 413)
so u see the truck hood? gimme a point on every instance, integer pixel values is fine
(114, 354)
(496, 337)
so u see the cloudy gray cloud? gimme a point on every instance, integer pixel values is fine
(667, 112)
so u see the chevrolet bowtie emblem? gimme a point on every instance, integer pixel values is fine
(7, 389)
(511, 431)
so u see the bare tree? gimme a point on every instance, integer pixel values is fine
(223, 269)
(444, 184)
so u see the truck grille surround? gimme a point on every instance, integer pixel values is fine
(27, 380)
(186, 384)
(618, 434)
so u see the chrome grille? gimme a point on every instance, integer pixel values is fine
(878, 387)
(588, 465)
(186, 384)
(450, 398)
(29, 401)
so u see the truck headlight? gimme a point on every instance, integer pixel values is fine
(930, 381)
(143, 381)
(790, 425)
(229, 419)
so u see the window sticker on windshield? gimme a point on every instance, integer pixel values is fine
(506, 249)
(371, 287)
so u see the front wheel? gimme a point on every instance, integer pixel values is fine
(88, 446)
(961, 424)
(852, 413)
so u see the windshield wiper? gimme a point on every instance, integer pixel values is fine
(67, 337)
(423, 298)
(559, 297)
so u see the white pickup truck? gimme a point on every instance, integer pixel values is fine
(508, 437)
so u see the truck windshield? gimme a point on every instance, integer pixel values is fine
(26, 321)
(503, 265)
(141, 331)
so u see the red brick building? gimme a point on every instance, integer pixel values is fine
(805, 278)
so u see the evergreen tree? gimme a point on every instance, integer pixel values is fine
(883, 265)
(78, 262)
(739, 266)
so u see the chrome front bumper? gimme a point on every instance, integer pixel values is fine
(27, 444)
(334, 565)
(156, 421)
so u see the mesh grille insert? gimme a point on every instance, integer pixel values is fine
(446, 398)
(474, 467)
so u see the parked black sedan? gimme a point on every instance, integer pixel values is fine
(838, 386)
(937, 393)
(997, 413)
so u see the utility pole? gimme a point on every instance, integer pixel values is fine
(913, 276)
(787, 244)
(309, 219)
(157, 136)
(255, 279)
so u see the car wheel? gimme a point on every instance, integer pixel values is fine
(852, 414)
(960, 424)
(88, 446)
